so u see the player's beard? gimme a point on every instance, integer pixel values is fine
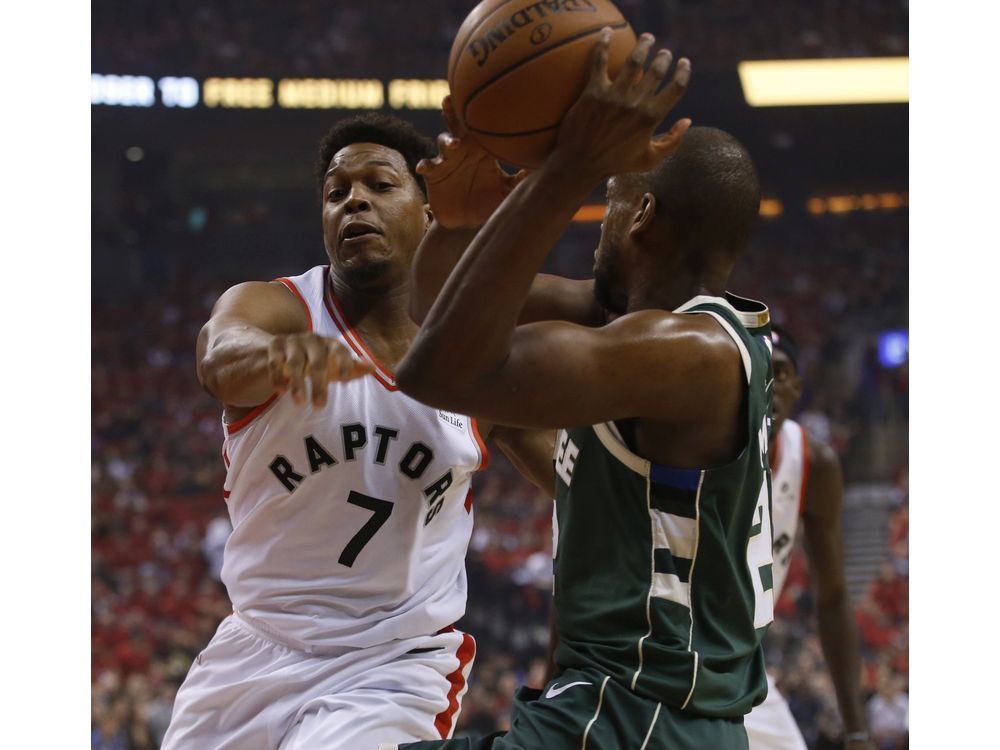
(606, 275)
(365, 275)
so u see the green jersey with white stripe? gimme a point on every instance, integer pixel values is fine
(663, 576)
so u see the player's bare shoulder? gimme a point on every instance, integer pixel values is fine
(268, 305)
(686, 373)
(824, 484)
(695, 344)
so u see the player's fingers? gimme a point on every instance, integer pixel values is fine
(427, 167)
(276, 363)
(317, 370)
(656, 73)
(665, 144)
(294, 370)
(451, 119)
(599, 61)
(447, 143)
(674, 90)
(342, 365)
(631, 71)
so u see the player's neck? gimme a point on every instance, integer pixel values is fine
(381, 316)
(668, 291)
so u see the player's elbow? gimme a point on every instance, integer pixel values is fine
(418, 311)
(420, 382)
(209, 368)
(431, 386)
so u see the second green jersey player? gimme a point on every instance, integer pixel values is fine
(658, 382)
(663, 575)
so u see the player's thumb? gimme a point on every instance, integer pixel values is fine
(666, 143)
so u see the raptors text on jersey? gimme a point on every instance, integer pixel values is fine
(351, 521)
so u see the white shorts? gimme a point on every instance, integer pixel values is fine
(246, 692)
(771, 726)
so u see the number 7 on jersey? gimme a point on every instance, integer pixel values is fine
(381, 510)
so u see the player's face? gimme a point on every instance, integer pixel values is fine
(787, 389)
(374, 214)
(609, 279)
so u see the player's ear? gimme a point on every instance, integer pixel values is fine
(642, 222)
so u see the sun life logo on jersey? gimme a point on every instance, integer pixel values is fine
(452, 419)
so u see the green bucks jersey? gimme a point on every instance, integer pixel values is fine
(663, 576)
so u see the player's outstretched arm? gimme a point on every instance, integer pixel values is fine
(465, 185)
(257, 343)
(531, 452)
(825, 549)
(470, 349)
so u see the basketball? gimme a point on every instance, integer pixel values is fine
(516, 66)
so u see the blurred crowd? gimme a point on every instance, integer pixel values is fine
(306, 38)
(795, 658)
(836, 282)
(159, 518)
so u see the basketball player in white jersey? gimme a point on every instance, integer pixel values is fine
(350, 501)
(806, 484)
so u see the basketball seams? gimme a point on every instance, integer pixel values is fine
(518, 134)
(510, 69)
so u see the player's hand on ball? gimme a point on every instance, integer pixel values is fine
(297, 357)
(609, 130)
(464, 183)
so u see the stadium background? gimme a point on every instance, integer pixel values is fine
(200, 180)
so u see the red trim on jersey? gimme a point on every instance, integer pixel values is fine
(239, 424)
(805, 470)
(468, 501)
(774, 452)
(382, 374)
(444, 721)
(225, 457)
(295, 290)
(484, 455)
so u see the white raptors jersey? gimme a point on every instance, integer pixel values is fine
(350, 522)
(789, 471)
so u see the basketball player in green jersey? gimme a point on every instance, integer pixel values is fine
(662, 585)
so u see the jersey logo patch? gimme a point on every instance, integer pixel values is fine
(555, 691)
(452, 419)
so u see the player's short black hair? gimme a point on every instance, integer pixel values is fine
(375, 127)
(783, 340)
(707, 190)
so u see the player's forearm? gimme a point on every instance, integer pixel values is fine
(436, 257)
(839, 639)
(531, 453)
(466, 335)
(234, 366)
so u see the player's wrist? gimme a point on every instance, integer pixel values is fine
(572, 165)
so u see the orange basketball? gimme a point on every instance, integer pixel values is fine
(516, 66)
